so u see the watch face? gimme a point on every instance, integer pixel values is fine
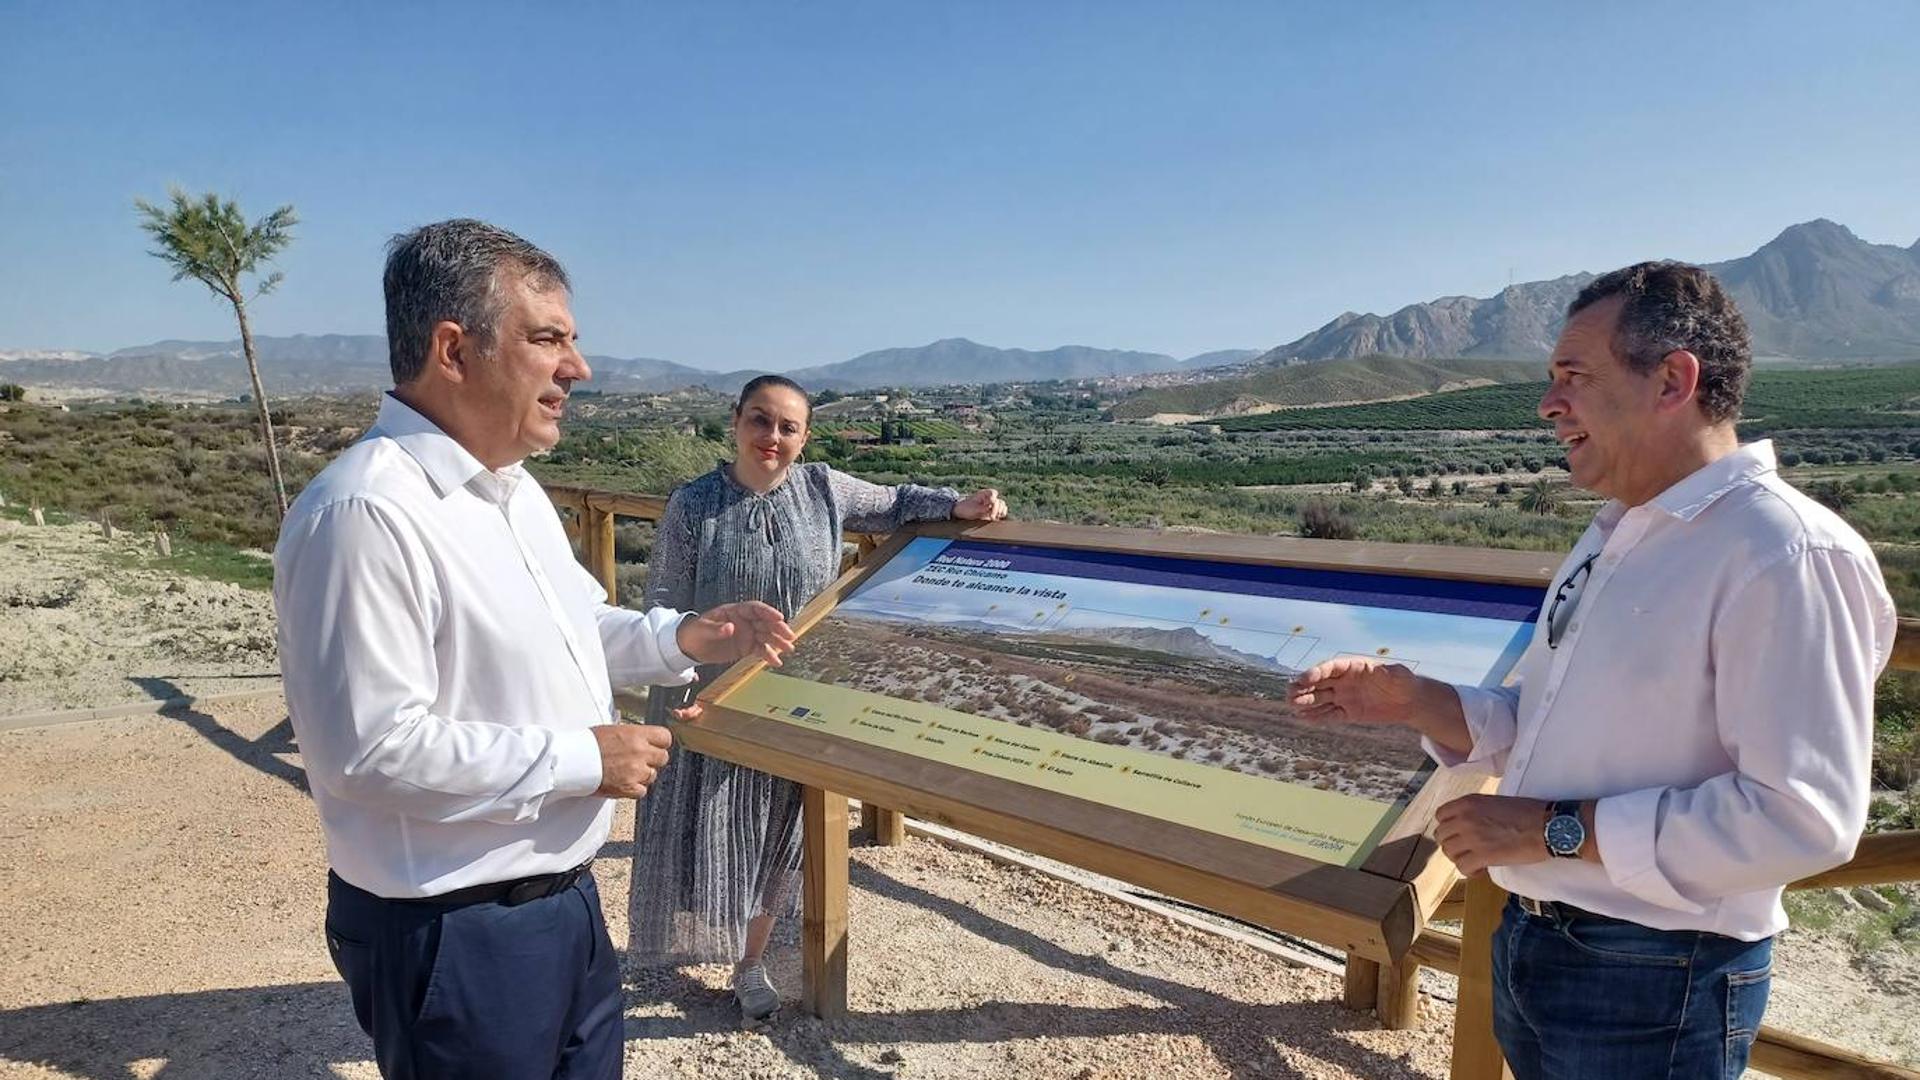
(1565, 834)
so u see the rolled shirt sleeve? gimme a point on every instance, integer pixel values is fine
(1795, 656)
(357, 602)
(1492, 721)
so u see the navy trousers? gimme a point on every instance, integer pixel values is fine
(481, 990)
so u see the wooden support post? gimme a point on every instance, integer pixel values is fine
(596, 548)
(823, 929)
(1398, 997)
(1476, 1055)
(886, 828)
(1362, 991)
(1389, 991)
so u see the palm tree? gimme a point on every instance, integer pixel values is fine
(1540, 498)
(209, 240)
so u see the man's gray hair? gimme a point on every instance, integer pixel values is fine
(451, 271)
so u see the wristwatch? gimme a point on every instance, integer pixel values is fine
(1566, 833)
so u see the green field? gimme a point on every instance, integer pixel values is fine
(1462, 467)
(1367, 378)
(1856, 398)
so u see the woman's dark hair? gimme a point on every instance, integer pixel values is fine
(761, 382)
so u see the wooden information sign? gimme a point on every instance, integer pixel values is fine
(1116, 699)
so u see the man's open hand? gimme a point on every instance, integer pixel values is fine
(631, 757)
(1355, 690)
(731, 631)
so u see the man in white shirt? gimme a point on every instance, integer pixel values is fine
(449, 671)
(1691, 726)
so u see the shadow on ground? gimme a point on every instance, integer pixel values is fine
(261, 754)
(301, 1029)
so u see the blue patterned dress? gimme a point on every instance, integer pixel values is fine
(717, 844)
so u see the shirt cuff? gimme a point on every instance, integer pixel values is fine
(576, 763)
(1489, 715)
(671, 657)
(1625, 831)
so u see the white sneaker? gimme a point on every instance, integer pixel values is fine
(754, 991)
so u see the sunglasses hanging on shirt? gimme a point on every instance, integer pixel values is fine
(1565, 598)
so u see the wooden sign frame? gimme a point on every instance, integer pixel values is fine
(1374, 911)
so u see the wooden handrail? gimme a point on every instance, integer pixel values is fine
(1906, 646)
(1881, 858)
(584, 500)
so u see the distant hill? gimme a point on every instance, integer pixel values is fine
(957, 360)
(357, 363)
(1220, 358)
(1815, 292)
(1369, 378)
(300, 364)
(328, 363)
(1181, 641)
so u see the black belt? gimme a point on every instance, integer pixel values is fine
(510, 893)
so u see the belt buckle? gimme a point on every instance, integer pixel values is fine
(1539, 909)
(523, 891)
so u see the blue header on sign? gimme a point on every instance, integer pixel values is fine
(1514, 603)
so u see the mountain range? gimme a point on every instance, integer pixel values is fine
(1816, 291)
(1184, 641)
(349, 363)
(1181, 641)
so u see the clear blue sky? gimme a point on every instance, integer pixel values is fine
(782, 184)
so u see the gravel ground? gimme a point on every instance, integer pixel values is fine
(160, 883)
(160, 903)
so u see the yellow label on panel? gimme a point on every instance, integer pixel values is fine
(1323, 825)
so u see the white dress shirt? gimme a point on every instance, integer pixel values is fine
(445, 659)
(1712, 689)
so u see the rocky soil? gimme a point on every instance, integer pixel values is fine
(161, 892)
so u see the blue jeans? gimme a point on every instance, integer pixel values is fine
(1579, 996)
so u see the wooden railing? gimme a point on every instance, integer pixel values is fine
(1882, 858)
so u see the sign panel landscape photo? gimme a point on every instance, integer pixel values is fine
(1149, 683)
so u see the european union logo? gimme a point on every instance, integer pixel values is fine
(799, 712)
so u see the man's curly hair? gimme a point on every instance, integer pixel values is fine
(1671, 305)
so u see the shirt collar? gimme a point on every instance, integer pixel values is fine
(1701, 488)
(448, 465)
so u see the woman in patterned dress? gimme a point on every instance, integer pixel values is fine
(717, 846)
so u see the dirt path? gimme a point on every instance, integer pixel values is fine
(160, 904)
(160, 894)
